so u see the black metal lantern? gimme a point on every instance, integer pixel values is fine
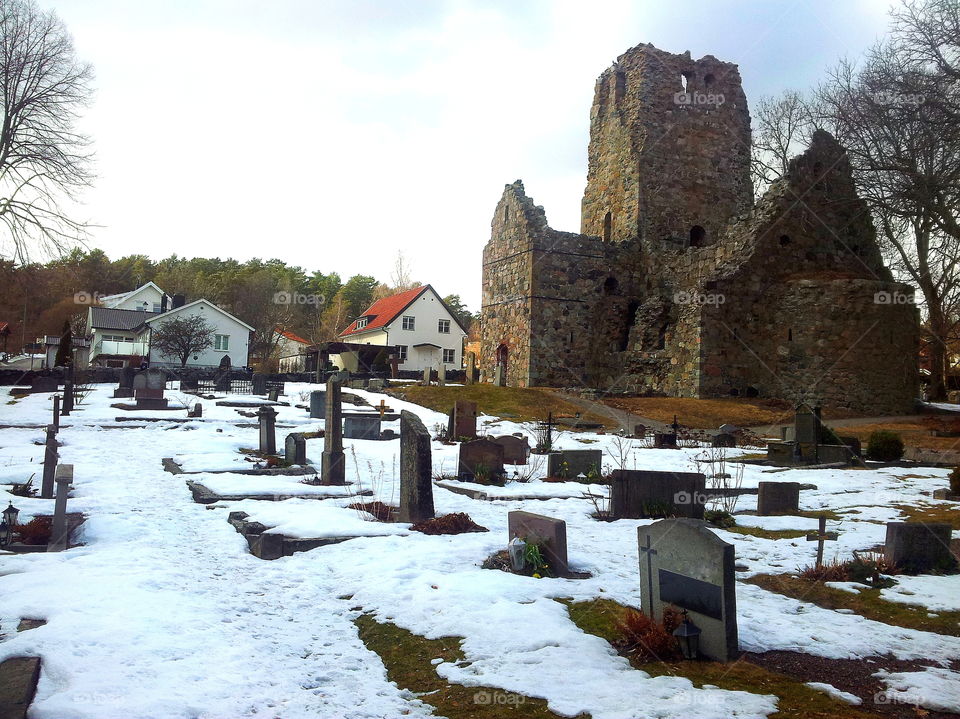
(7, 524)
(688, 635)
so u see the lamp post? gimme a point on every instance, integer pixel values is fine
(688, 635)
(7, 524)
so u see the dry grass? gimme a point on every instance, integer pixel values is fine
(509, 402)
(930, 513)
(915, 433)
(708, 413)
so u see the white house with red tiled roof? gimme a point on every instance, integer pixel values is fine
(291, 349)
(425, 331)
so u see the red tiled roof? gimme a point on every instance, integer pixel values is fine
(290, 336)
(383, 312)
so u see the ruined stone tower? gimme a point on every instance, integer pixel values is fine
(669, 154)
(678, 285)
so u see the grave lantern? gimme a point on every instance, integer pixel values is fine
(688, 636)
(7, 524)
(517, 548)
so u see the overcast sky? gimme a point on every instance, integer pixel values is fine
(331, 134)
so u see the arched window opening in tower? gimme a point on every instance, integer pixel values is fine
(607, 226)
(698, 236)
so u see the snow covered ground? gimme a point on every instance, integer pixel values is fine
(164, 613)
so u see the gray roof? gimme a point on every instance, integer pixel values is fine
(107, 318)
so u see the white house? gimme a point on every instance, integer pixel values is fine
(291, 349)
(119, 332)
(424, 330)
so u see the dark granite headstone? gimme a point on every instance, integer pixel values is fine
(480, 459)
(318, 404)
(515, 449)
(639, 431)
(416, 470)
(267, 419)
(49, 463)
(295, 448)
(361, 427)
(664, 440)
(778, 498)
(684, 564)
(153, 378)
(463, 420)
(636, 494)
(724, 440)
(805, 424)
(43, 383)
(126, 377)
(549, 533)
(571, 463)
(917, 547)
(259, 383)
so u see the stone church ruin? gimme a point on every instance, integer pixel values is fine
(679, 284)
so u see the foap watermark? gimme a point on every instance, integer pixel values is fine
(489, 698)
(683, 297)
(893, 298)
(687, 498)
(710, 99)
(886, 97)
(297, 298)
(83, 297)
(890, 696)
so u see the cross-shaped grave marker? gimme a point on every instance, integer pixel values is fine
(820, 536)
(383, 408)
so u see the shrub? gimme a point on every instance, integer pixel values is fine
(36, 531)
(457, 523)
(381, 511)
(720, 518)
(884, 446)
(865, 567)
(642, 637)
(955, 481)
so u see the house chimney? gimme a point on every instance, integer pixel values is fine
(163, 304)
(179, 301)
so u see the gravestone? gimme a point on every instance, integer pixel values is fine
(416, 470)
(778, 498)
(729, 428)
(152, 378)
(917, 547)
(571, 463)
(723, 439)
(499, 376)
(196, 412)
(806, 423)
(267, 419)
(549, 533)
(637, 494)
(442, 376)
(332, 463)
(394, 366)
(463, 420)
(58, 529)
(126, 377)
(471, 367)
(43, 383)
(515, 449)
(684, 564)
(56, 411)
(639, 431)
(318, 404)
(273, 395)
(259, 383)
(426, 377)
(480, 459)
(49, 463)
(68, 397)
(222, 383)
(361, 427)
(375, 384)
(295, 448)
(664, 440)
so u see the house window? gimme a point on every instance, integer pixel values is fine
(402, 353)
(449, 356)
(443, 327)
(362, 323)
(156, 308)
(409, 322)
(221, 343)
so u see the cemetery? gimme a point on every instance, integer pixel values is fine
(745, 564)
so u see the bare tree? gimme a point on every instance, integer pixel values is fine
(181, 337)
(44, 161)
(897, 114)
(782, 129)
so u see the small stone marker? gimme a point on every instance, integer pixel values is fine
(463, 420)
(684, 564)
(664, 440)
(549, 533)
(58, 531)
(56, 411)
(196, 412)
(637, 494)
(68, 397)
(778, 498)
(49, 463)
(295, 448)
(441, 376)
(480, 457)
(515, 449)
(724, 440)
(426, 377)
(917, 547)
(416, 470)
(332, 463)
(571, 463)
(471, 367)
(806, 424)
(361, 427)
(375, 385)
(44, 383)
(499, 376)
(267, 418)
(821, 536)
(273, 394)
(318, 404)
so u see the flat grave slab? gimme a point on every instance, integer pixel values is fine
(523, 490)
(209, 490)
